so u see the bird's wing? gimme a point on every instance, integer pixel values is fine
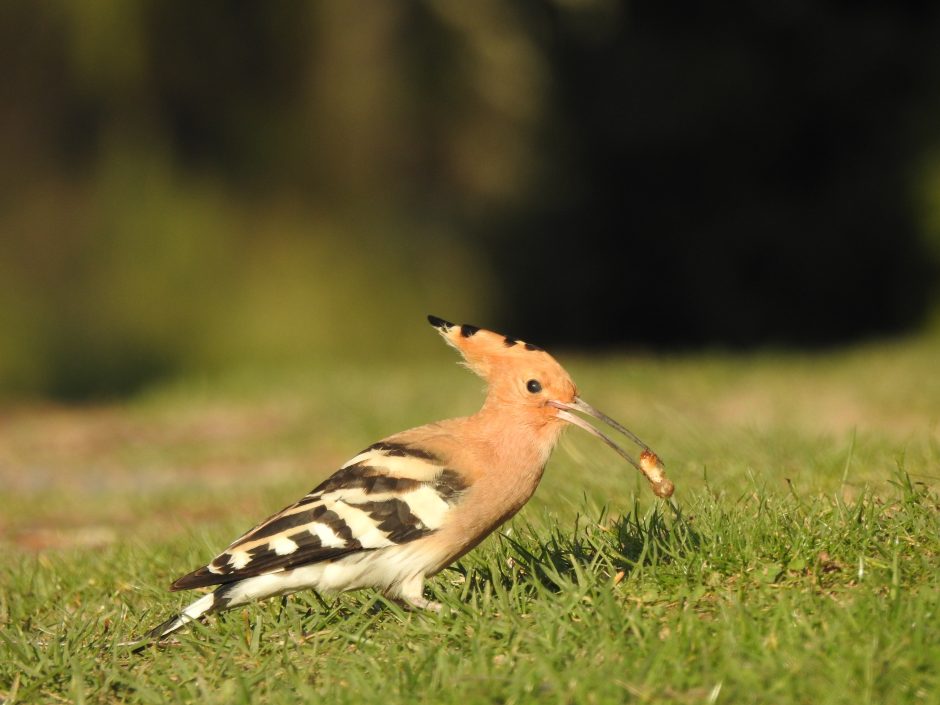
(389, 494)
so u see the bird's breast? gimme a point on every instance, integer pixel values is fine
(490, 502)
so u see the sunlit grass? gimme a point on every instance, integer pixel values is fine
(799, 562)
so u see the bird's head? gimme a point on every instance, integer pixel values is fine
(518, 374)
(527, 382)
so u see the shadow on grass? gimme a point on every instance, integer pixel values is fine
(593, 551)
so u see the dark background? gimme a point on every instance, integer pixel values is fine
(195, 186)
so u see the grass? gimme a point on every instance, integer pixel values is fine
(799, 562)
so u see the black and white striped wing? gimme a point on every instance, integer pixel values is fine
(389, 494)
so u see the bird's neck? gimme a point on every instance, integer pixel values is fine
(519, 438)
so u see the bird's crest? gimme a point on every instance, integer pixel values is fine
(484, 350)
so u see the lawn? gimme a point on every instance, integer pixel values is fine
(799, 561)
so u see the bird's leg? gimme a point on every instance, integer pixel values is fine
(411, 596)
(420, 602)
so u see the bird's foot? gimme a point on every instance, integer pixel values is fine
(422, 603)
(410, 595)
(417, 603)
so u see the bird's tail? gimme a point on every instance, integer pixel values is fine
(203, 605)
(207, 604)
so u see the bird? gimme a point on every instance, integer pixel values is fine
(408, 506)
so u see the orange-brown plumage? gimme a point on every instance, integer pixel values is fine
(408, 506)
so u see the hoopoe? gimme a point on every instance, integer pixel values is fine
(408, 506)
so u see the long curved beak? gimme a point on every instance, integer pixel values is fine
(649, 463)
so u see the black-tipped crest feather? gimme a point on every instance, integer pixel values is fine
(440, 323)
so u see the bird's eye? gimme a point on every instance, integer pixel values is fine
(534, 386)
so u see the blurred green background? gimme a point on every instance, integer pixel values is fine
(189, 187)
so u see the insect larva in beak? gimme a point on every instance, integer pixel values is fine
(656, 474)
